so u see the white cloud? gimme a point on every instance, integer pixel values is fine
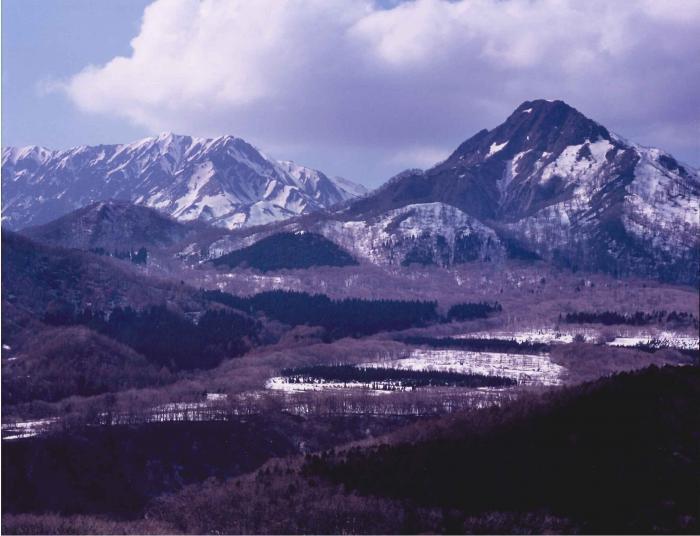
(427, 73)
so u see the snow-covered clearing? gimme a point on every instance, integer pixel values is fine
(19, 430)
(281, 383)
(543, 335)
(667, 338)
(525, 369)
(624, 336)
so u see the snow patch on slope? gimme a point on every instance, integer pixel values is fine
(384, 240)
(573, 165)
(496, 147)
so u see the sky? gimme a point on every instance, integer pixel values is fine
(357, 88)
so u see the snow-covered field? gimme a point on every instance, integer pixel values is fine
(280, 383)
(669, 338)
(543, 335)
(213, 408)
(19, 430)
(526, 369)
(625, 337)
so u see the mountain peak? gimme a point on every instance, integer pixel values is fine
(543, 104)
(542, 126)
(553, 114)
(558, 184)
(32, 153)
(167, 136)
(224, 181)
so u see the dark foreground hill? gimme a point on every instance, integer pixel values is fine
(109, 226)
(619, 455)
(287, 251)
(38, 278)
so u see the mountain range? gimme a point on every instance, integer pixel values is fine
(548, 184)
(224, 181)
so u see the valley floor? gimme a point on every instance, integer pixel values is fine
(279, 427)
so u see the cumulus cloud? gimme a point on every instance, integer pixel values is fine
(390, 85)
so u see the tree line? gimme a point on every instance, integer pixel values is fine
(168, 338)
(472, 311)
(656, 344)
(350, 316)
(638, 318)
(481, 345)
(341, 318)
(385, 377)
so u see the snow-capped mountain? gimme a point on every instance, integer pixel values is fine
(556, 185)
(224, 181)
(549, 184)
(326, 190)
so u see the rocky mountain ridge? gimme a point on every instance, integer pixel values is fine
(223, 181)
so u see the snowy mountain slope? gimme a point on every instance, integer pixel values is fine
(553, 182)
(353, 188)
(431, 233)
(321, 187)
(224, 181)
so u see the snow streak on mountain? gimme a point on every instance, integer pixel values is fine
(224, 181)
